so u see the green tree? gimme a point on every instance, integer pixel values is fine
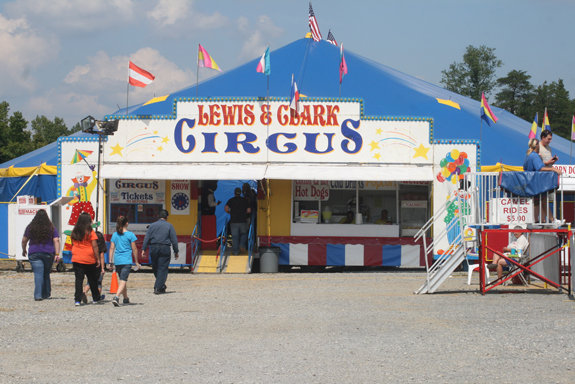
(516, 94)
(14, 137)
(475, 74)
(555, 98)
(47, 131)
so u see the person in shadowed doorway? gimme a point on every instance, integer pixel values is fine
(348, 219)
(384, 219)
(239, 209)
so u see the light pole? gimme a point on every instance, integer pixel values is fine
(100, 128)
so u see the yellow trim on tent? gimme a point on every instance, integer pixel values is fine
(501, 168)
(43, 169)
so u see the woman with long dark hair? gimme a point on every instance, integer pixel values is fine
(122, 248)
(85, 258)
(44, 247)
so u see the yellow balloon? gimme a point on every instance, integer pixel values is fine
(454, 180)
(455, 154)
(445, 172)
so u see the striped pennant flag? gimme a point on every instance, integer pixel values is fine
(205, 60)
(139, 77)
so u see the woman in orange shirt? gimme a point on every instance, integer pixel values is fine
(85, 258)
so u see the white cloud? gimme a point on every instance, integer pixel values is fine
(256, 37)
(79, 106)
(176, 16)
(23, 50)
(73, 14)
(98, 87)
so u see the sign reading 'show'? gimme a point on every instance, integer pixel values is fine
(258, 132)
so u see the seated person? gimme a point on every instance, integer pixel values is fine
(348, 219)
(384, 219)
(518, 246)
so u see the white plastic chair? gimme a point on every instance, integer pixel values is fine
(473, 267)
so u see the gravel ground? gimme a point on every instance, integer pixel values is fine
(357, 327)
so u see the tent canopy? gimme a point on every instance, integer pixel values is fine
(32, 174)
(385, 92)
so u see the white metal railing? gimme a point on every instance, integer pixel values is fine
(489, 204)
(480, 201)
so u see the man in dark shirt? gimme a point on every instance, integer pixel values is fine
(160, 236)
(239, 209)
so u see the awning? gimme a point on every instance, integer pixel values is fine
(180, 171)
(234, 171)
(350, 172)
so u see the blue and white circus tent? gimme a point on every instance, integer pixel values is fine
(385, 92)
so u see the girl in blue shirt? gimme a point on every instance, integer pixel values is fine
(534, 163)
(122, 247)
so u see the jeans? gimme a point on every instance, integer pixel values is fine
(41, 266)
(92, 272)
(161, 256)
(239, 236)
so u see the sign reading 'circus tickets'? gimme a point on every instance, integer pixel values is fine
(258, 132)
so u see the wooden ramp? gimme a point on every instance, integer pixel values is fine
(237, 264)
(207, 262)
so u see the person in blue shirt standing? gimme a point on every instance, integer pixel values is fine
(159, 237)
(534, 163)
(122, 247)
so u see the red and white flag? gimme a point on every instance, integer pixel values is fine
(139, 77)
(315, 33)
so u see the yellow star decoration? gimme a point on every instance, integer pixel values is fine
(421, 151)
(165, 140)
(374, 145)
(155, 132)
(377, 156)
(160, 148)
(116, 150)
(378, 131)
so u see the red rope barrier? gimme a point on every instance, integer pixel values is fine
(207, 241)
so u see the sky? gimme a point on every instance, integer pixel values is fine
(69, 58)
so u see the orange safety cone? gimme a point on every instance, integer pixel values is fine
(114, 284)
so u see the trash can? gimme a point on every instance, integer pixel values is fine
(269, 259)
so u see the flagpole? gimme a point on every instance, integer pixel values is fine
(197, 78)
(480, 133)
(128, 91)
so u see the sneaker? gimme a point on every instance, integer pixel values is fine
(99, 301)
(77, 303)
(126, 300)
(84, 298)
(116, 301)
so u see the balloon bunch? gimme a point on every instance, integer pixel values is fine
(453, 166)
(452, 210)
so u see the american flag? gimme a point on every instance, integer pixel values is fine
(330, 38)
(315, 33)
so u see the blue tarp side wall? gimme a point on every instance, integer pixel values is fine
(43, 186)
(528, 184)
(3, 231)
(224, 192)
